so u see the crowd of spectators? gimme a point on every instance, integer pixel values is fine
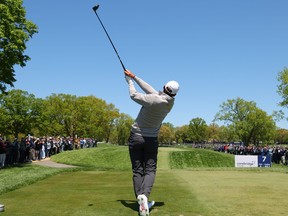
(278, 153)
(30, 148)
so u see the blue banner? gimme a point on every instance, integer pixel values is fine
(264, 161)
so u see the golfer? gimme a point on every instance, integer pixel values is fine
(143, 140)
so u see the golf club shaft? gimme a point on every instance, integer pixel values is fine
(110, 40)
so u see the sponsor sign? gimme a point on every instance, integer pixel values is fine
(246, 161)
(252, 161)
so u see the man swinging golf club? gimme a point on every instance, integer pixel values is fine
(143, 140)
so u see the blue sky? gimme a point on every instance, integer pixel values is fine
(216, 50)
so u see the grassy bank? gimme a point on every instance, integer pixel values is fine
(106, 157)
(198, 158)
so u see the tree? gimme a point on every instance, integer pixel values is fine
(123, 126)
(181, 134)
(92, 112)
(85, 116)
(40, 122)
(262, 127)
(17, 114)
(62, 114)
(283, 87)
(246, 120)
(281, 136)
(198, 130)
(109, 117)
(166, 133)
(220, 134)
(213, 132)
(227, 134)
(15, 32)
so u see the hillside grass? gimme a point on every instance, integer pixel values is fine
(105, 157)
(199, 158)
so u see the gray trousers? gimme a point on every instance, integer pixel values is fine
(143, 154)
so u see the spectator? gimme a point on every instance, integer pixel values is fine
(29, 151)
(286, 156)
(81, 143)
(42, 149)
(37, 149)
(15, 152)
(22, 150)
(95, 142)
(8, 145)
(3, 151)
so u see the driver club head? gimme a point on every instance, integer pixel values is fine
(95, 7)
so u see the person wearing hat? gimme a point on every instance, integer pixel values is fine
(143, 140)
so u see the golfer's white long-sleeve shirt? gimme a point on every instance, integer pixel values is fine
(155, 107)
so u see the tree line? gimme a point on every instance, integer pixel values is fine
(67, 115)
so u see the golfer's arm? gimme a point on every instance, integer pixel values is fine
(139, 98)
(144, 86)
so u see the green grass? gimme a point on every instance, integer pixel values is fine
(196, 158)
(16, 177)
(237, 192)
(103, 158)
(201, 183)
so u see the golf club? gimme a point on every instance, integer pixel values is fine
(95, 9)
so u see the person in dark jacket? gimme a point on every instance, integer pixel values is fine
(3, 151)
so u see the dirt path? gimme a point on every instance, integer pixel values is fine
(47, 162)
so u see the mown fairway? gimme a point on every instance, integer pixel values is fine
(201, 186)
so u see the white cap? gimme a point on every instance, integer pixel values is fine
(172, 87)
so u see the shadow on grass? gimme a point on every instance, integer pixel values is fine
(132, 204)
(18, 165)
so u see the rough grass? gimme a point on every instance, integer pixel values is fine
(196, 158)
(107, 157)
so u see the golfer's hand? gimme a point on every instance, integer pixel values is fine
(129, 73)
